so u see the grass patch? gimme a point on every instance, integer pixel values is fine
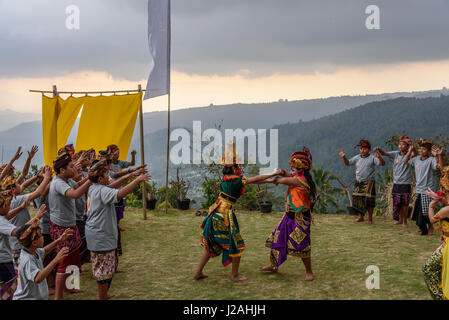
(161, 255)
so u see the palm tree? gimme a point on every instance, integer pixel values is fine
(326, 194)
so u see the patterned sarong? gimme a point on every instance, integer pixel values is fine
(364, 195)
(290, 237)
(401, 197)
(103, 265)
(218, 238)
(8, 281)
(432, 273)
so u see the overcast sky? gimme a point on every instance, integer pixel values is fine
(225, 51)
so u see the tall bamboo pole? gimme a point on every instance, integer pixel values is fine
(142, 158)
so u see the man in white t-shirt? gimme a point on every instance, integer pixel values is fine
(364, 194)
(402, 180)
(425, 174)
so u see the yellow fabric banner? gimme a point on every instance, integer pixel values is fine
(108, 120)
(50, 113)
(69, 110)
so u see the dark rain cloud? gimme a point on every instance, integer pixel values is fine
(220, 36)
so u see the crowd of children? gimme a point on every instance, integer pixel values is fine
(80, 202)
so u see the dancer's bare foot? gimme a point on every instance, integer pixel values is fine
(200, 276)
(358, 220)
(110, 296)
(119, 271)
(405, 225)
(397, 222)
(122, 229)
(268, 268)
(238, 278)
(369, 222)
(309, 276)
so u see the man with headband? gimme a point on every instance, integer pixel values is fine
(61, 198)
(402, 180)
(101, 225)
(425, 169)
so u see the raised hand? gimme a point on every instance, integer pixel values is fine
(436, 150)
(18, 154)
(64, 252)
(42, 211)
(67, 233)
(33, 152)
(133, 153)
(277, 171)
(341, 153)
(47, 171)
(434, 195)
(144, 177)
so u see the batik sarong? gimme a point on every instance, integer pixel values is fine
(401, 197)
(103, 265)
(72, 243)
(8, 281)
(364, 195)
(432, 273)
(220, 238)
(290, 237)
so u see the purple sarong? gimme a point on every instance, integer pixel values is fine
(120, 209)
(290, 237)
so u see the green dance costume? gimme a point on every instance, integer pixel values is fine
(221, 232)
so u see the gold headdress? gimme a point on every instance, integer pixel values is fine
(230, 157)
(301, 159)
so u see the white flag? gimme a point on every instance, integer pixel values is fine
(159, 40)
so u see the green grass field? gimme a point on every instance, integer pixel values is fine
(162, 253)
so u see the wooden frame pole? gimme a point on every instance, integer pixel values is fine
(142, 159)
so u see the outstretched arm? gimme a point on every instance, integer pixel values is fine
(129, 188)
(51, 246)
(381, 160)
(258, 179)
(437, 152)
(43, 274)
(379, 149)
(78, 192)
(133, 158)
(11, 214)
(9, 165)
(342, 154)
(408, 155)
(26, 167)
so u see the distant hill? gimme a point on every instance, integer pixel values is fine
(10, 118)
(375, 121)
(267, 115)
(283, 115)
